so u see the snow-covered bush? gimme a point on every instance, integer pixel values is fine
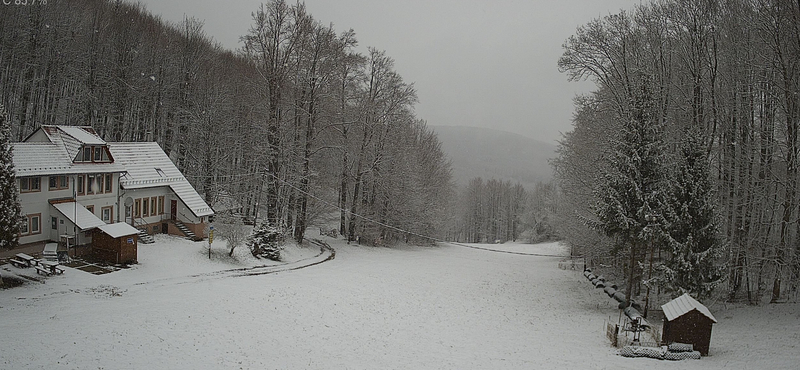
(267, 242)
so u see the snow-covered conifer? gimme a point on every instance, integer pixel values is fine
(9, 202)
(632, 190)
(267, 242)
(693, 237)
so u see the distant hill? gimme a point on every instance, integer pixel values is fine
(489, 153)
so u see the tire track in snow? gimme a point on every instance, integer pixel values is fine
(326, 254)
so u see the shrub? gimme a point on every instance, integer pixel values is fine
(267, 242)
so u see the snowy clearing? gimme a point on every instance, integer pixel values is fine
(447, 307)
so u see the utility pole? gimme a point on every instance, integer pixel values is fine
(210, 239)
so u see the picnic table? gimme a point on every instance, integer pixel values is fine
(49, 268)
(23, 260)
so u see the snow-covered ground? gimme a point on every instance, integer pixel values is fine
(446, 307)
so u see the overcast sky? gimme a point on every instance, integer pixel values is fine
(474, 62)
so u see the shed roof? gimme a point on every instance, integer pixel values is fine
(118, 229)
(683, 305)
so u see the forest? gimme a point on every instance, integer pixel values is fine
(294, 125)
(681, 171)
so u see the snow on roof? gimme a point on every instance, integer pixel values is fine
(36, 158)
(683, 305)
(85, 220)
(83, 134)
(148, 166)
(40, 159)
(71, 138)
(118, 229)
(192, 200)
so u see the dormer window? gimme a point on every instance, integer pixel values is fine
(93, 154)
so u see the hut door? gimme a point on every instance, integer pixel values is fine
(173, 210)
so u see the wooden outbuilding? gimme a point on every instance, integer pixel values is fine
(688, 321)
(116, 243)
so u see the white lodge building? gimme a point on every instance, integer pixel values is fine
(74, 185)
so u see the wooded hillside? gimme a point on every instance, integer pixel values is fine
(723, 74)
(293, 121)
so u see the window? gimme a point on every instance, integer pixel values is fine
(58, 183)
(54, 223)
(90, 209)
(30, 225)
(90, 184)
(35, 224)
(87, 154)
(29, 184)
(105, 214)
(80, 185)
(145, 208)
(161, 205)
(109, 181)
(137, 204)
(98, 153)
(153, 207)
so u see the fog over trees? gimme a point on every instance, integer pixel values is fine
(722, 82)
(290, 126)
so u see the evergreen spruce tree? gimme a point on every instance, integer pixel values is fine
(693, 237)
(631, 192)
(267, 242)
(9, 202)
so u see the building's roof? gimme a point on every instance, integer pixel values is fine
(83, 134)
(683, 305)
(85, 220)
(42, 159)
(147, 166)
(118, 229)
(71, 138)
(52, 149)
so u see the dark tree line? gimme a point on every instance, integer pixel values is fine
(723, 82)
(292, 121)
(500, 211)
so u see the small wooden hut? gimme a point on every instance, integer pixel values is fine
(116, 243)
(688, 321)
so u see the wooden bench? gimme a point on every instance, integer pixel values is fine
(27, 259)
(43, 271)
(18, 263)
(50, 268)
